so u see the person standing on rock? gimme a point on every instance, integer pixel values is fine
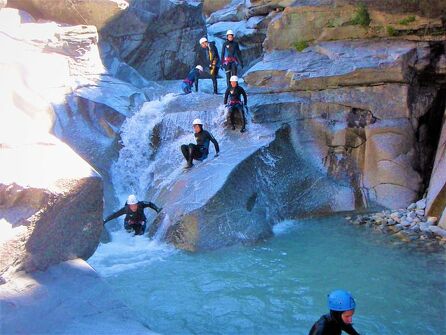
(342, 307)
(214, 60)
(231, 56)
(135, 219)
(199, 151)
(192, 78)
(233, 102)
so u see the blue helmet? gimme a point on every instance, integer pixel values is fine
(341, 301)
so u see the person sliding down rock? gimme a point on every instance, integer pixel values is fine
(231, 56)
(135, 219)
(192, 78)
(199, 151)
(214, 60)
(342, 307)
(233, 94)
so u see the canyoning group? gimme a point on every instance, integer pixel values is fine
(341, 304)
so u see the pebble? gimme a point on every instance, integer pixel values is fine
(432, 219)
(412, 206)
(419, 212)
(412, 215)
(421, 204)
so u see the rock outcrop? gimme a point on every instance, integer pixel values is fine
(363, 102)
(158, 38)
(91, 12)
(55, 83)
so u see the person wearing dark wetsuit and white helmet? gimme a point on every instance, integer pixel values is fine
(135, 219)
(342, 307)
(199, 151)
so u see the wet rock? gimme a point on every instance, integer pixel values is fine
(420, 212)
(421, 204)
(412, 206)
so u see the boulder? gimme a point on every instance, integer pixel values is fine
(53, 199)
(158, 39)
(210, 6)
(436, 196)
(90, 12)
(389, 166)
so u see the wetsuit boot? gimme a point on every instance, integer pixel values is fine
(243, 120)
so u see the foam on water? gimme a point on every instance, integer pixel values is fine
(133, 172)
(127, 252)
(285, 227)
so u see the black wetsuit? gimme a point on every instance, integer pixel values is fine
(233, 96)
(332, 324)
(199, 151)
(214, 63)
(231, 57)
(134, 220)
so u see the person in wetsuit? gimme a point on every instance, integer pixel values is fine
(199, 151)
(135, 219)
(233, 102)
(213, 58)
(192, 78)
(231, 56)
(342, 307)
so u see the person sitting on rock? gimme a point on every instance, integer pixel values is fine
(214, 60)
(342, 307)
(233, 95)
(135, 219)
(199, 151)
(231, 56)
(191, 79)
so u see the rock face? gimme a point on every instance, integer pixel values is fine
(363, 104)
(342, 22)
(90, 12)
(53, 193)
(158, 38)
(436, 196)
(68, 298)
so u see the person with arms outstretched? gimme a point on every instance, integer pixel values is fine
(135, 219)
(199, 151)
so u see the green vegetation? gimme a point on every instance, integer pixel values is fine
(301, 45)
(361, 16)
(407, 20)
(331, 23)
(391, 31)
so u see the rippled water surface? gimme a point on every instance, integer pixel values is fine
(280, 286)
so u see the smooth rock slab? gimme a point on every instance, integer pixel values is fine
(69, 298)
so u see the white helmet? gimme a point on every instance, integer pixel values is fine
(197, 122)
(230, 32)
(199, 67)
(131, 200)
(234, 78)
(203, 39)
